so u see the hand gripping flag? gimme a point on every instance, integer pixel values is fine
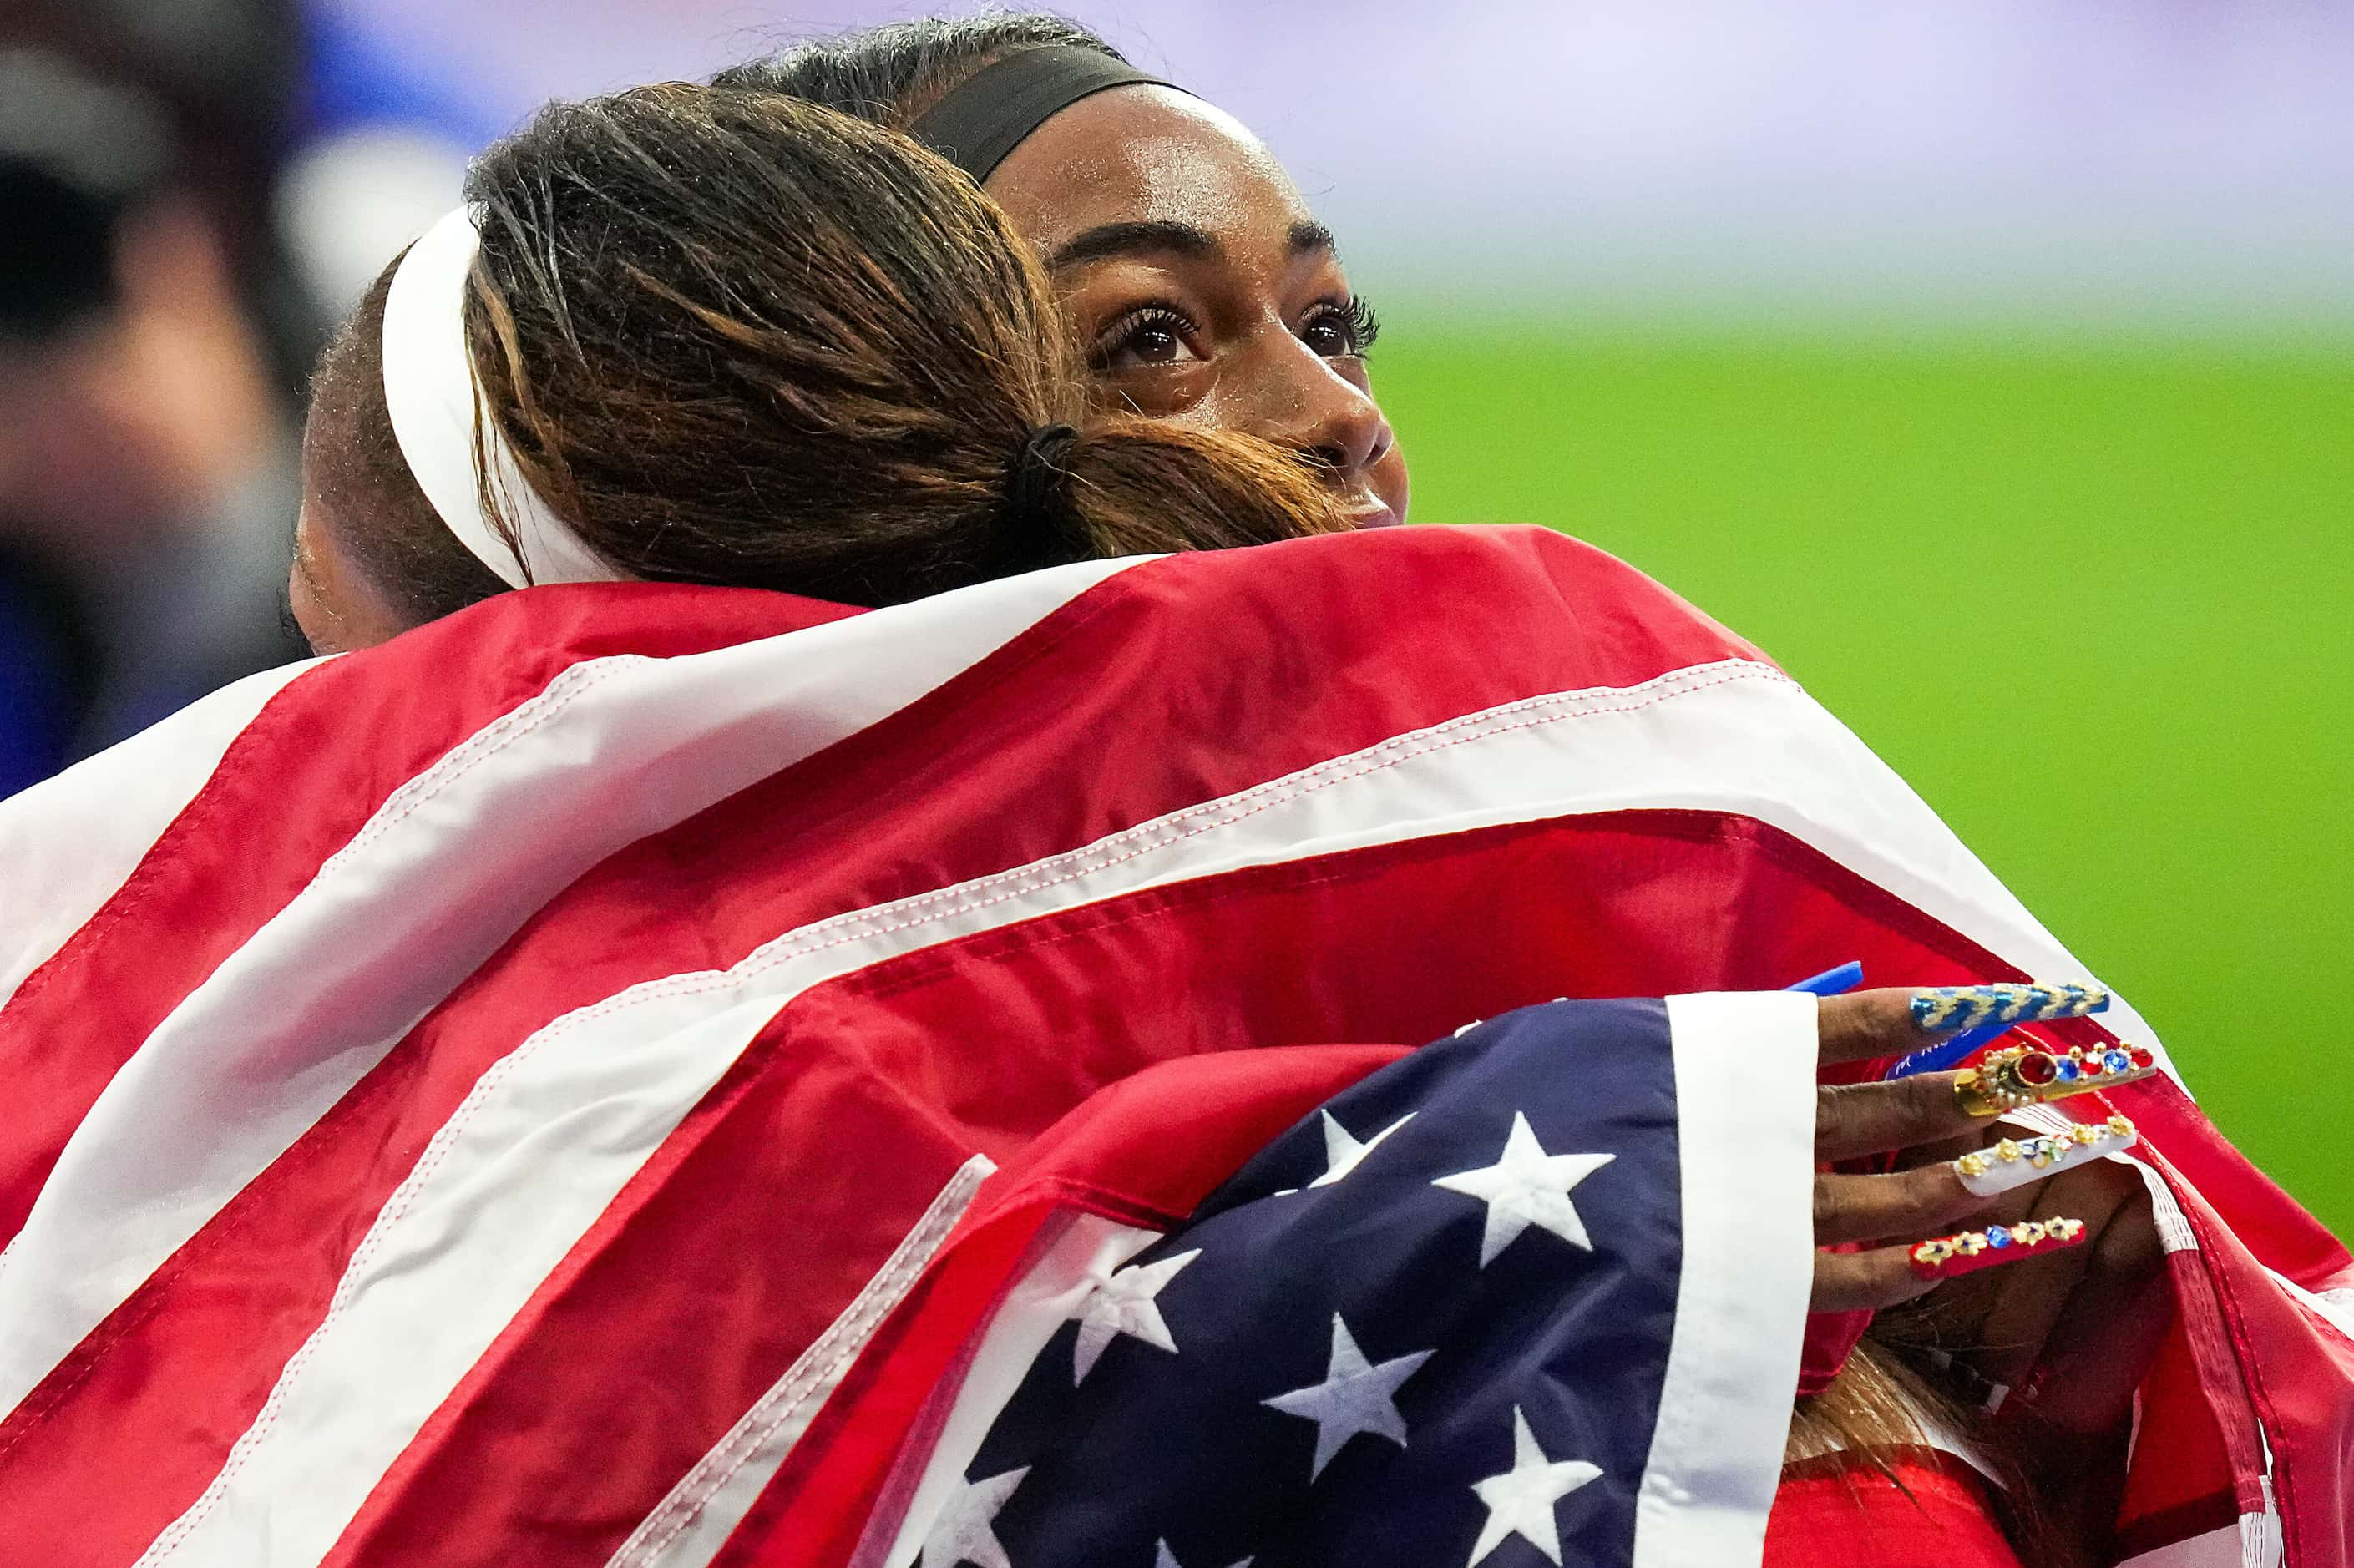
(525, 1094)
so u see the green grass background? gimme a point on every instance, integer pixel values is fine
(2091, 601)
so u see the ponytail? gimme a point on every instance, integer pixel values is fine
(733, 337)
(1127, 485)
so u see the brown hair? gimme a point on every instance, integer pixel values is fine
(737, 338)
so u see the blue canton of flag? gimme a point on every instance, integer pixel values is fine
(1427, 1325)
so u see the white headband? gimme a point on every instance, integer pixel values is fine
(430, 388)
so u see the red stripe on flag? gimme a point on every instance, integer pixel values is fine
(293, 788)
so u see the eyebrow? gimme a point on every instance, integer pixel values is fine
(1128, 238)
(1307, 237)
(1179, 239)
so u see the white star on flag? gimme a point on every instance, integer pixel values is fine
(1527, 1187)
(1125, 1303)
(1343, 1153)
(1355, 1396)
(1520, 1501)
(1164, 1558)
(966, 1529)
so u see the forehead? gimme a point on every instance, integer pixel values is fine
(1145, 154)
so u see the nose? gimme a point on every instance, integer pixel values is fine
(1298, 400)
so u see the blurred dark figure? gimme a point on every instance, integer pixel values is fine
(149, 355)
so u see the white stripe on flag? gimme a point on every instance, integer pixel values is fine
(1746, 1146)
(450, 866)
(2335, 1308)
(526, 1165)
(688, 1528)
(68, 843)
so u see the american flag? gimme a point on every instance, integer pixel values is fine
(578, 1083)
(1424, 1325)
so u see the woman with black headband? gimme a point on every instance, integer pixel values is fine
(1203, 288)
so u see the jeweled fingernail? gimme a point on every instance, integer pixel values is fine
(1952, 1008)
(2016, 1161)
(1970, 1251)
(2008, 1080)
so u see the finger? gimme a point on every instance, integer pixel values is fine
(2102, 1343)
(1875, 1208)
(1930, 1108)
(1943, 1151)
(1888, 1277)
(1863, 1024)
(1865, 1281)
(2022, 1313)
(1849, 1282)
(2023, 1158)
(1995, 1244)
(1855, 1119)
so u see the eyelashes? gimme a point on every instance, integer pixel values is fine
(1159, 334)
(1353, 318)
(1132, 329)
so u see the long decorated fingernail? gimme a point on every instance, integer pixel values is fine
(2016, 1161)
(2008, 1080)
(1982, 1012)
(1973, 1250)
(1952, 1008)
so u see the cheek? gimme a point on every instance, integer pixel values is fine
(1182, 393)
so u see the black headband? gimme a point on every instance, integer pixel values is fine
(992, 111)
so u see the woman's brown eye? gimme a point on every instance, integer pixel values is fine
(1156, 345)
(1326, 335)
(1341, 331)
(1153, 336)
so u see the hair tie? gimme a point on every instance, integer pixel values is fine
(436, 404)
(1035, 518)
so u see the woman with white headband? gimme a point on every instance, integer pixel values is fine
(837, 375)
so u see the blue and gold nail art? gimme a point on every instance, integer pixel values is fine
(1952, 1008)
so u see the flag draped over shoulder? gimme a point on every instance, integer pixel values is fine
(588, 1082)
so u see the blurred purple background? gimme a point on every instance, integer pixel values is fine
(2169, 162)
